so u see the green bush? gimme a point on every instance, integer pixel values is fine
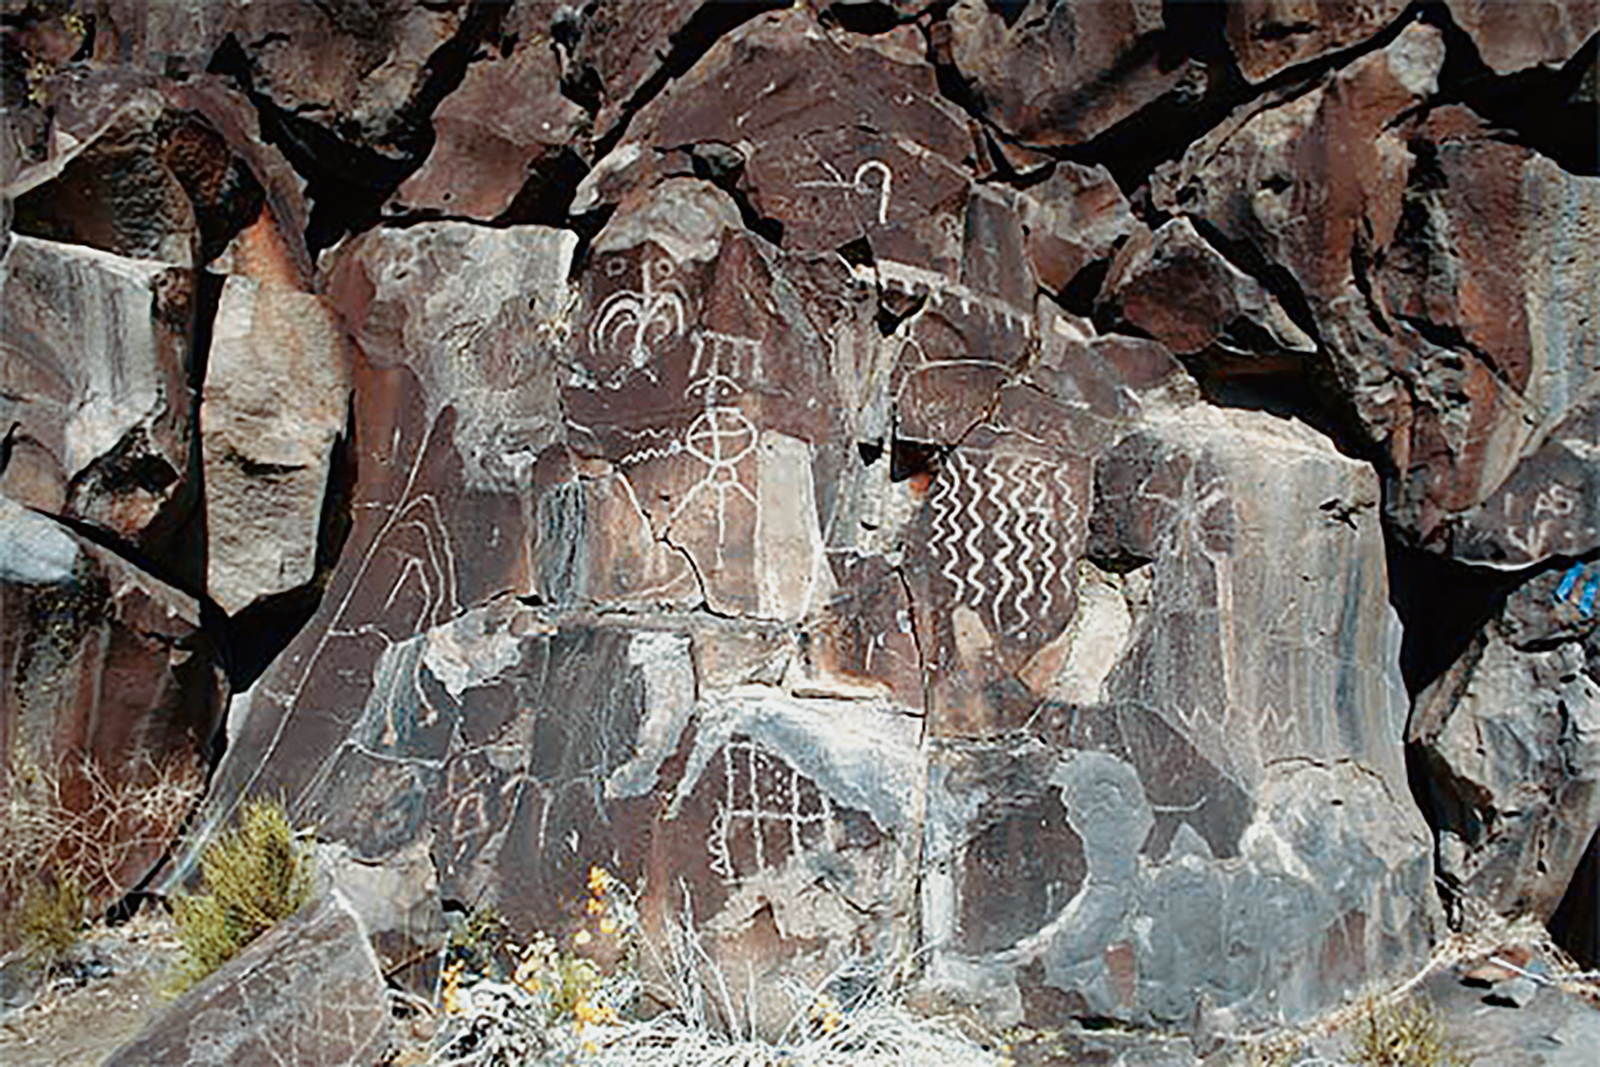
(253, 876)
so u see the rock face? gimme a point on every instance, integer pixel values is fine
(734, 446)
(1511, 734)
(102, 662)
(1430, 261)
(307, 991)
(97, 394)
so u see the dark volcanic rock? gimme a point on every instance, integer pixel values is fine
(1436, 264)
(100, 661)
(1269, 35)
(307, 991)
(1511, 735)
(1175, 287)
(95, 392)
(1512, 36)
(1178, 858)
(507, 123)
(762, 450)
(1063, 73)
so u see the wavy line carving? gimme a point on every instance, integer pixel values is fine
(1001, 536)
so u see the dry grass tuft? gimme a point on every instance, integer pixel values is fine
(1404, 1035)
(254, 875)
(557, 1007)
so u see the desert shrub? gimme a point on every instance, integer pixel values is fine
(71, 836)
(559, 1006)
(1404, 1035)
(253, 875)
(50, 920)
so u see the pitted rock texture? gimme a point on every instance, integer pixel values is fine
(911, 481)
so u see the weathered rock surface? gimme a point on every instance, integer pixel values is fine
(1061, 74)
(1177, 288)
(1512, 36)
(730, 445)
(99, 660)
(1511, 734)
(307, 991)
(505, 139)
(1267, 36)
(1165, 808)
(95, 392)
(277, 392)
(1437, 265)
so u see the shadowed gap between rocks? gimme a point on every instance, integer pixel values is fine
(1543, 109)
(1575, 926)
(705, 27)
(1161, 132)
(346, 183)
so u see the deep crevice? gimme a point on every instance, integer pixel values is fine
(866, 17)
(1575, 925)
(709, 24)
(1541, 108)
(348, 183)
(1443, 605)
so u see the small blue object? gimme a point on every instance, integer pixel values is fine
(1568, 582)
(1586, 605)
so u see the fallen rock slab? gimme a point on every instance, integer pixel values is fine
(308, 991)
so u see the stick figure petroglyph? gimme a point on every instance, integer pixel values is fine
(635, 323)
(721, 436)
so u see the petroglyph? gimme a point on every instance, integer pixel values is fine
(1551, 508)
(633, 326)
(768, 812)
(1001, 537)
(860, 183)
(919, 281)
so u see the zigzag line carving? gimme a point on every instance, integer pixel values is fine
(999, 535)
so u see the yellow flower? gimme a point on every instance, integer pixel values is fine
(608, 926)
(827, 1013)
(452, 988)
(600, 881)
(594, 906)
(586, 1012)
(582, 937)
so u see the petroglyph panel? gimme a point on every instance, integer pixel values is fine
(766, 811)
(1004, 536)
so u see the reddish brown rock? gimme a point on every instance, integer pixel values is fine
(1268, 36)
(1176, 287)
(306, 991)
(356, 67)
(1061, 74)
(1512, 35)
(106, 670)
(1075, 217)
(1413, 255)
(126, 141)
(508, 122)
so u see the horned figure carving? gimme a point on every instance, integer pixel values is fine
(634, 324)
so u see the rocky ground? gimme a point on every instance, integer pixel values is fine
(1086, 509)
